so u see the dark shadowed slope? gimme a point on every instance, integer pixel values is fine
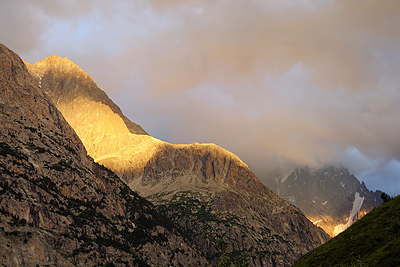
(57, 206)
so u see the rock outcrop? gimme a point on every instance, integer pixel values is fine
(60, 208)
(209, 193)
(330, 197)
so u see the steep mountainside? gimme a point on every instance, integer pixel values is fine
(57, 206)
(74, 83)
(374, 240)
(109, 137)
(330, 197)
(207, 191)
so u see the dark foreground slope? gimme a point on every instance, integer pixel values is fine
(374, 240)
(57, 206)
(208, 192)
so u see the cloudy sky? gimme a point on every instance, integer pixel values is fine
(308, 82)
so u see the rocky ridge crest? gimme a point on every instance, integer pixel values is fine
(57, 206)
(330, 197)
(210, 194)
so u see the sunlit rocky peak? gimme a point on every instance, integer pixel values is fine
(202, 187)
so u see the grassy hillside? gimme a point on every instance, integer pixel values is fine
(372, 241)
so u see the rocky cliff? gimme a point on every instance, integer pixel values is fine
(210, 194)
(223, 208)
(72, 84)
(57, 206)
(330, 197)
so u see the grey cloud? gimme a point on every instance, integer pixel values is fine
(335, 43)
(22, 25)
(276, 82)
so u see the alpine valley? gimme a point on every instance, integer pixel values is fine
(82, 185)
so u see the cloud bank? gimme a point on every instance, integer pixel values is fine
(276, 82)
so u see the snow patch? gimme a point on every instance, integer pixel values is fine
(342, 184)
(316, 222)
(40, 80)
(283, 179)
(357, 203)
(324, 203)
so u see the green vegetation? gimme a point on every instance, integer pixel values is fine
(47, 184)
(385, 197)
(15, 221)
(5, 150)
(235, 258)
(198, 220)
(183, 204)
(243, 258)
(62, 165)
(31, 146)
(372, 241)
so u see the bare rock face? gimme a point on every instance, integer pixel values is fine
(224, 208)
(109, 137)
(73, 83)
(330, 197)
(57, 206)
(210, 194)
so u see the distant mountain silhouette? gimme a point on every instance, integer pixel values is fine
(330, 197)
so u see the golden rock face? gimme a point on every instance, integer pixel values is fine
(54, 199)
(108, 136)
(204, 188)
(64, 82)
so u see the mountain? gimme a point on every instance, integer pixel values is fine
(60, 208)
(330, 197)
(87, 89)
(106, 129)
(209, 193)
(374, 240)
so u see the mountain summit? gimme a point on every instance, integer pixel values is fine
(60, 208)
(330, 197)
(209, 193)
(76, 85)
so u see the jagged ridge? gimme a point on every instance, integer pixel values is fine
(209, 192)
(58, 207)
(72, 76)
(330, 197)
